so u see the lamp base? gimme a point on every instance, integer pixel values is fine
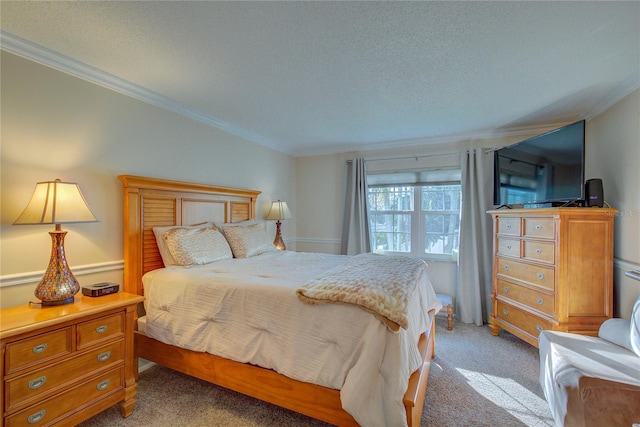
(52, 303)
(59, 285)
(278, 242)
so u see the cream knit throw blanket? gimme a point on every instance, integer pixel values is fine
(380, 284)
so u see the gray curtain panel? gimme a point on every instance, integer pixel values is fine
(475, 252)
(355, 223)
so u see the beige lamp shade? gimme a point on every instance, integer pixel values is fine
(56, 202)
(279, 210)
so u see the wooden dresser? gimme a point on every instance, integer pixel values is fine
(64, 364)
(552, 269)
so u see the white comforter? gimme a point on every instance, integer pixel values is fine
(247, 310)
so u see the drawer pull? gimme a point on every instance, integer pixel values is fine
(37, 383)
(104, 356)
(508, 225)
(505, 311)
(508, 246)
(506, 268)
(101, 329)
(540, 301)
(540, 276)
(539, 328)
(538, 227)
(538, 251)
(506, 289)
(34, 418)
(39, 348)
(103, 385)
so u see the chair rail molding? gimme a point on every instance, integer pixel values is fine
(78, 270)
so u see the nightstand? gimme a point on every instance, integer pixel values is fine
(64, 364)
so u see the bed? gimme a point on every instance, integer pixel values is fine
(151, 203)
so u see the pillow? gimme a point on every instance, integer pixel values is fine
(634, 335)
(247, 241)
(616, 331)
(246, 223)
(167, 259)
(196, 246)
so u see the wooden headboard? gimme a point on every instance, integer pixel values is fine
(153, 202)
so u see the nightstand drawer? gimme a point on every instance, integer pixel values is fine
(540, 251)
(49, 410)
(509, 226)
(100, 329)
(508, 247)
(542, 228)
(534, 274)
(529, 297)
(38, 383)
(37, 349)
(522, 320)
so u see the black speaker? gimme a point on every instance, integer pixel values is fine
(594, 193)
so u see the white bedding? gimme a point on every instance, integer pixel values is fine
(247, 310)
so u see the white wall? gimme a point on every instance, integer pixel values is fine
(613, 154)
(58, 126)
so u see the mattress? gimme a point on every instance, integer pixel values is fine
(247, 310)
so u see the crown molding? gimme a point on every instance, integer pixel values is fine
(432, 141)
(50, 58)
(625, 88)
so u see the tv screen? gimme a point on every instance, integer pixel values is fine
(545, 169)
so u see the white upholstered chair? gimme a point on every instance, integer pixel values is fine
(593, 381)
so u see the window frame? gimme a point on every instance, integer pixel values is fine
(418, 222)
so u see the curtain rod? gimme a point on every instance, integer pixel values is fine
(409, 157)
(487, 150)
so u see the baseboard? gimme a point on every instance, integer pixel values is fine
(144, 364)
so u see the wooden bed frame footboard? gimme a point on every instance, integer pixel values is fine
(309, 399)
(151, 202)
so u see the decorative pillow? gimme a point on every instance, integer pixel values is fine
(246, 223)
(167, 259)
(247, 241)
(196, 246)
(634, 335)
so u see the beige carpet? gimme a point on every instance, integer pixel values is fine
(476, 380)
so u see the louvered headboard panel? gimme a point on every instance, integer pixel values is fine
(153, 202)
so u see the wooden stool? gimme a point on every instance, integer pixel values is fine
(447, 302)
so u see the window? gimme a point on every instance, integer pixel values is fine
(422, 220)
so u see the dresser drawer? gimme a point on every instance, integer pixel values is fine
(534, 299)
(509, 226)
(540, 251)
(509, 247)
(37, 383)
(542, 228)
(49, 410)
(37, 349)
(522, 320)
(100, 329)
(534, 274)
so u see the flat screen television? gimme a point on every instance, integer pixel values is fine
(546, 170)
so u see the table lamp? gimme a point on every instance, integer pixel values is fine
(56, 202)
(279, 210)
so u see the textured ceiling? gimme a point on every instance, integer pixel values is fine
(319, 77)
